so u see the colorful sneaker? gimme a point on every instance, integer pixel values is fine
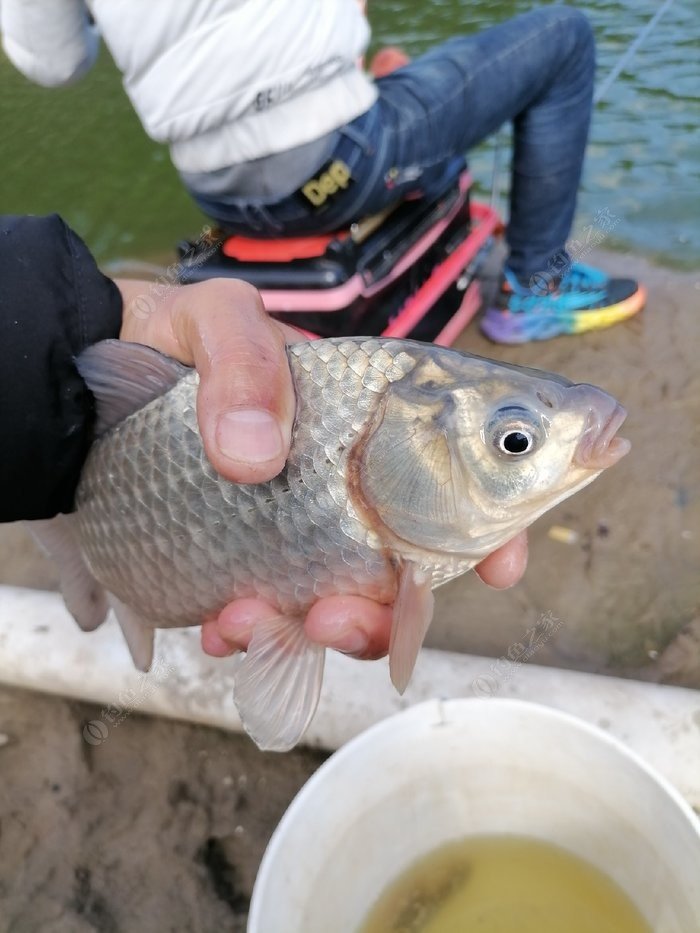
(584, 299)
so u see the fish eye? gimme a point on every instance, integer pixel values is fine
(515, 442)
(514, 431)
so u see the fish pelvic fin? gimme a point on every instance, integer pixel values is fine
(138, 634)
(277, 683)
(85, 598)
(413, 613)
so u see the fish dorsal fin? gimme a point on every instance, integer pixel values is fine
(413, 613)
(276, 685)
(124, 377)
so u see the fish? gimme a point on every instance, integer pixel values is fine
(409, 464)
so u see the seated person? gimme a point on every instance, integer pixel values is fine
(257, 99)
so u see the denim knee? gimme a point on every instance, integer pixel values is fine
(577, 31)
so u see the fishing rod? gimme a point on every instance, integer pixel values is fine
(627, 55)
(599, 95)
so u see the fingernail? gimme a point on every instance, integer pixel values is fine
(249, 436)
(353, 642)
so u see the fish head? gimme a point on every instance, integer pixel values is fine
(465, 452)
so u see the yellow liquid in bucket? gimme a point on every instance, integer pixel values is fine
(503, 884)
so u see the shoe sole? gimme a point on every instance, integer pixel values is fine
(581, 321)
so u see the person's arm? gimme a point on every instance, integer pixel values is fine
(54, 302)
(52, 42)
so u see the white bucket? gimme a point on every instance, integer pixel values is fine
(446, 769)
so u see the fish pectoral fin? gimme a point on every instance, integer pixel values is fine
(138, 634)
(413, 613)
(85, 598)
(277, 683)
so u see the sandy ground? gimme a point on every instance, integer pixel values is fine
(163, 826)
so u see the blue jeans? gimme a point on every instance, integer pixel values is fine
(536, 70)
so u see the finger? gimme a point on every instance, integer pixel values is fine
(234, 625)
(351, 624)
(245, 403)
(505, 566)
(212, 642)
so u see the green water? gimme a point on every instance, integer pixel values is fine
(81, 151)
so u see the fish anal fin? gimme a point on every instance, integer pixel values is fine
(84, 597)
(138, 634)
(277, 683)
(413, 613)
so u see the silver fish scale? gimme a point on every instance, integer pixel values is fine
(175, 541)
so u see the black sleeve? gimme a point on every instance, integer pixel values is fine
(54, 302)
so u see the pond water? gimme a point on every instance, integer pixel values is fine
(81, 151)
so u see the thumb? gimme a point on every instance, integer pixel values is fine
(245, 403)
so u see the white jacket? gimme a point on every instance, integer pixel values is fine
(221, 81)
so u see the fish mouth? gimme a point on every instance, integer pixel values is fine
(599, 447)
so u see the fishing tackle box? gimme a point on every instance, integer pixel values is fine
(410, 271)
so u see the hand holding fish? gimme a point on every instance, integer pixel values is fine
(245, 403)
(407, 464)
(351, 624)
(245, 408)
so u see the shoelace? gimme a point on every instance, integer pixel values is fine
(581, 278)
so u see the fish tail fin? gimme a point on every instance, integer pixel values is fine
(277, 683)
(413, 612)
(138, 634)
(85, 598)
